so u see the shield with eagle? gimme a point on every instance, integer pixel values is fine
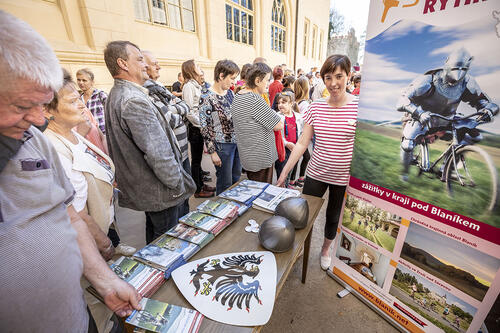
(234, 288)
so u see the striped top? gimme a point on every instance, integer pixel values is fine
(334, 129)
(253, 122)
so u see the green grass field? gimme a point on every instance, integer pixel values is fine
(376, 159)
(379, 237)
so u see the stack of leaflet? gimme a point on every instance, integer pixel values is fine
(205, 222)
(244, 194)
(167, 253)
(224, 209)
(190, 234)
(272, 196)
(145, 279)
(157, 316)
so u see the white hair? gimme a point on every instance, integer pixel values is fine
(24, 53)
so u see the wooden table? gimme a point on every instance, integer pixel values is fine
(235, 239)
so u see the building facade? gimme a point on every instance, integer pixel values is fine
(292, 32)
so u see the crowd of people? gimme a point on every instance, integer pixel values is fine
(144, 144)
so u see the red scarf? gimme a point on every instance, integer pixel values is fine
(280, 146)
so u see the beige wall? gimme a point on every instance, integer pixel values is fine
(78, 30)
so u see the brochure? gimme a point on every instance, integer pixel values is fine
(272, 196)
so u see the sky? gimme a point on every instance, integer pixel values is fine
(408, 49)
(453, 252)
(450, 299)
(355, 13)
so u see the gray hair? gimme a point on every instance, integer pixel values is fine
(87, 72)
(24, 53)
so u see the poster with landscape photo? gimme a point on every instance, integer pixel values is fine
(424, 185)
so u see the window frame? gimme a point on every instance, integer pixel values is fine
(166, 4)
(305, 47)
(278, 44)
(313, 41)
(320, 48)
(236, 6)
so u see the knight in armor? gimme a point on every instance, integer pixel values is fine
(441, 91)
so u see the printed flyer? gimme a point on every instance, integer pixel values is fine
(419, 237)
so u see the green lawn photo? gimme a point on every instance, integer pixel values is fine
(370, 222)
(376, 159)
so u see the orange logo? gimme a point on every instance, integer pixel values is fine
(388, 4)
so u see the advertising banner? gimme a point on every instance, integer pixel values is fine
(419, 237)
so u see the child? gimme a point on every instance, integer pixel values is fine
(292, 129)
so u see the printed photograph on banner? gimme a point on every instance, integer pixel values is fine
(365, 260)
(492, 321)
(452, 261)
(432, 302)
(370, 222)
(428, 115)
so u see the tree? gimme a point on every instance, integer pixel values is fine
(336, 23)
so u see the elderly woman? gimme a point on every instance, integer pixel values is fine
(254, 125)
(90, 171)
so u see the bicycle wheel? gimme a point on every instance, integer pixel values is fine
(472, 178)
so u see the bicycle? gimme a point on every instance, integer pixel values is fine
(460, 165)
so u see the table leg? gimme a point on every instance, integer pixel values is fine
(305, 260)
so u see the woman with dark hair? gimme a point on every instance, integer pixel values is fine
(191, 94)
(217, 125)
(254, 125)
(333, 123)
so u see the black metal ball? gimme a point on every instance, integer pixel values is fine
(277, 234)
(295, 209)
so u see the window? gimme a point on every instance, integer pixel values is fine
(278, 27)
(313, 46)
(306, 36)
(320, 49)
(177, 14)
(239, 21)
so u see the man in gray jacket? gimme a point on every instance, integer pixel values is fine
(146, 153)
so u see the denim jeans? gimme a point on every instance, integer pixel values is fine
(157, 223)
(230, 170)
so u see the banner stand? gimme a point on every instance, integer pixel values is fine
(364, 300)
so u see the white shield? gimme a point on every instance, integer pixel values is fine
(234, 288)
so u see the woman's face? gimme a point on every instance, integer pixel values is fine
(336, 82)
(261, 85)
(84, 82)
(70, 108)
(228, 81)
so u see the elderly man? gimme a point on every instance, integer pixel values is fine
(45, 245)
(146, 153)
(173, 108)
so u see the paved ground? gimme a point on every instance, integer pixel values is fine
(309, 307)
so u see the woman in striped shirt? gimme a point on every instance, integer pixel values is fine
(254, 125)
(333, 122)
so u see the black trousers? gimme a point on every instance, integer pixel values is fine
(335, 198)
(196, 140)
(157, 223)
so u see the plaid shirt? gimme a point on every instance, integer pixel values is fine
(96, 104)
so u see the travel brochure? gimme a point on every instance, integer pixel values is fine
(272, 196)
(204, 222)
(185, 248)
(220, 208)
(190, 234)
(161, 317)
(162, 258)
(241, 193)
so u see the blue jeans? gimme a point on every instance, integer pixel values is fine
(230, 170)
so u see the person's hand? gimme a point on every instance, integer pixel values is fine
(281, 180)
(120, 297)
(290, 145)
(486, 115)
(425, 118)
(216, 159)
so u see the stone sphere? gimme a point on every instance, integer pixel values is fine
(295, 209)
(277, 234)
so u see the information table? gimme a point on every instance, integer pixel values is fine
(235, 239)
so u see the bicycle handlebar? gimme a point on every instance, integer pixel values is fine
(455, 118)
